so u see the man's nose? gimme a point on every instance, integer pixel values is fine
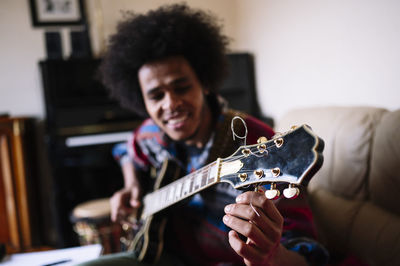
(171, 101)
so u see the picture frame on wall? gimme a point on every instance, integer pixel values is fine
(57, 12)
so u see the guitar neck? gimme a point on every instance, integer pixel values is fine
(181, 189)
(293, 158)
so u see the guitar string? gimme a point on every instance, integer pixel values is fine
(236, 157)
(233, 130)
(182, 180)
(251, 205)
(245, 138)
(230, 159)
(206, 168)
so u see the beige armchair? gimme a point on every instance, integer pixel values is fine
(354, 196)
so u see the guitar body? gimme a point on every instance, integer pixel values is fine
(148, 242)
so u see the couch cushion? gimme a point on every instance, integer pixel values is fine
(333, 217)
(375, 236)
(384, 183)
(348, 133)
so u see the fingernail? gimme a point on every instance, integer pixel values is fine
(239, 198)
(225, 218)
(228, 208)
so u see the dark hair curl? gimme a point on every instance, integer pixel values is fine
(170, 30)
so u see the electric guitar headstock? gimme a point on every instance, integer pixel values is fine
(292, 158)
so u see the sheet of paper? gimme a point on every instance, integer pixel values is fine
(66, 257)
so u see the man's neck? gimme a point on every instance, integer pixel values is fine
(203, 133)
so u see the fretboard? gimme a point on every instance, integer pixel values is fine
(181, 189)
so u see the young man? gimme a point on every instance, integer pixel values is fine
(167, 65)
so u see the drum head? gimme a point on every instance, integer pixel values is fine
(93, 209)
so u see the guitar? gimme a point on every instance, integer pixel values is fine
(293, 158)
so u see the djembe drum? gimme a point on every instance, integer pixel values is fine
(91, 221)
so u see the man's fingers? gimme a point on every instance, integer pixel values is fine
(242, 249)
(259, 200)
(247, 229)
(135, 197)
(257, 217)
(122, 204)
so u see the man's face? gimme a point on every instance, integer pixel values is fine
(174, 98)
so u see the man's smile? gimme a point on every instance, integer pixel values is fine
(176, 121)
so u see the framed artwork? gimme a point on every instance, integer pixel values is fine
(57, 12)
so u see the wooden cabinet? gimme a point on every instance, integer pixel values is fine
(17, 185)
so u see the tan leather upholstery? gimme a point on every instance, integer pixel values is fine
(385, 162)
(354, 195)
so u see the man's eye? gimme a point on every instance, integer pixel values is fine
(182, 89)
(156, 96)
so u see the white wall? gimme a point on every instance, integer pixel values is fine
(21, 47)
(332, 52)
(307, 52)
(112, 11)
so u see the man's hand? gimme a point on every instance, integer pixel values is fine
(125, 202)
(256, 217)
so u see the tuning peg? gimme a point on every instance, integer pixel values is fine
(275, 171)
(293, 127)
(258, 173)
(262, 140)
(272, 193)
(246, 152)
(243, 177)
(278, 142)
(291, 192)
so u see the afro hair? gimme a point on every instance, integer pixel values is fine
(170, 30)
